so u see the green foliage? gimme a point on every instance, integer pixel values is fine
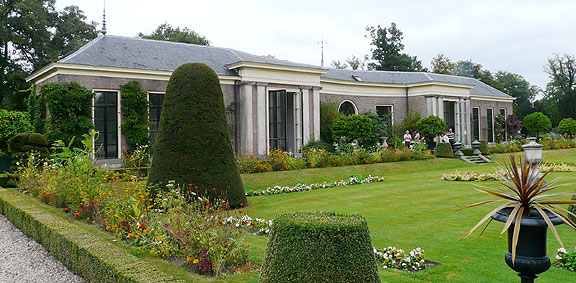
(319, 247)
(572, 208)
(560, 94)
(387, 48)
(84, 251)
(444, 149)
(193, 145)
(408, 123)
(442, 65)
(431, 127)
(135, 110)
(320, 144)
(567, 127)
(328, 115)
(70, 112)
(25, 146)
(484, 149)
(354, 127)
(167, 33)
(11, 124)
(518, 87)
(500, 128)
(537, 123)
(381, 126)
(34, 34)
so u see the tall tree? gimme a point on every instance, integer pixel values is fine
(387, 48)
(354, 63)
(167, 33)
(561, 90)
(467, 68)
(516, 86)
(32, 34)
(442, 65)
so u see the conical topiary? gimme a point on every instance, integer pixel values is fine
(193, 145)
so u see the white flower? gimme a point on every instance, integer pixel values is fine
(562, 250)
(558, 257)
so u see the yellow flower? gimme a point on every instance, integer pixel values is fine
(195, 261)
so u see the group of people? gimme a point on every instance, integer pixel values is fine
(449, 136)
(409, 139)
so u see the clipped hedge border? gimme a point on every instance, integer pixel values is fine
(82, 252)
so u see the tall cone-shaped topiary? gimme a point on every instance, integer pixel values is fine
(193, 144)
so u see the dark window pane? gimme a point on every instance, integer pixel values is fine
(347, 108)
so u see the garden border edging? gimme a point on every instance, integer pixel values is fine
(95, 260)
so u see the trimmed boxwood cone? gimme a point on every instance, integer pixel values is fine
(193, 144)
(319, 247)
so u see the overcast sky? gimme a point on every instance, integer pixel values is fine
(514, 36)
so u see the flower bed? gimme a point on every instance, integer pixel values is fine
(313, 157)
(316, 186)
(470, 176)
(566, 259)
(392, 257)
(548, 143)
(174, 223)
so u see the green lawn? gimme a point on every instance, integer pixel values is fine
(412, 208)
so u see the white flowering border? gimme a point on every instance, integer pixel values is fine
(276, 190)
(566, 260)
(256, 226)
(392, 257)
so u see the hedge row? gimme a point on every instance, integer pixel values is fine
(80, 250)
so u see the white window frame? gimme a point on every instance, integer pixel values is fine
(391, 111)
(353, 104)
(118, 115)
(493, 136)
(479, 123)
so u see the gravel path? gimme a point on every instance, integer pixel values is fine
(23, 260)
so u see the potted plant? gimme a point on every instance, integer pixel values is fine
(431, 127)
(527, 213)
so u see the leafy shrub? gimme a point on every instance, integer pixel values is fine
(381, 126)
(537, 123)
(500, 128)
(566, 259)
(467, 151)
(431, 127)
(249, 163)
(319, 247)
(11, 124)
(70, 112)
(316, 157)
(567, 127)
(320, 144)
(193, 144)
(137, 160)
(135, 115)
(281, 160)
(409, 123)
(572, 208)
(180, 224)
(484, 148)
(511, 146)
(444, 149)
(328, 115)
(355, 127)
(25, 145)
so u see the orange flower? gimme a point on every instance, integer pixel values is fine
(188, 259)
(247, 245)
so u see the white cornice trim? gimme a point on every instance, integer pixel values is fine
(491, 98)
(74, 69)
(374, 84)
(245, 64)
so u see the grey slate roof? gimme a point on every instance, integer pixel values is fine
(390, 77)
(145, 54)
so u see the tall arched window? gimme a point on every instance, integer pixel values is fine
(347, 107)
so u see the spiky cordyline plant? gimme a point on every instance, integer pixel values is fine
(526, 190)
